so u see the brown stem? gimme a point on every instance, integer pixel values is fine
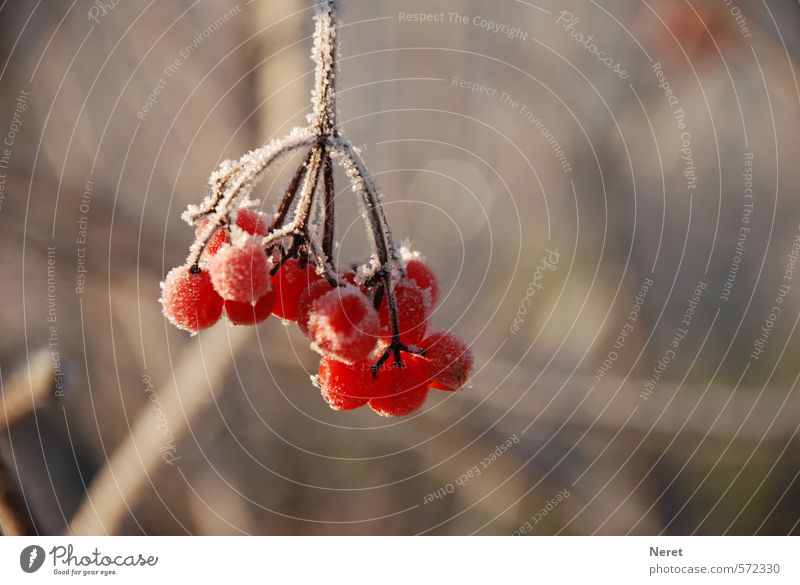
(323, 252)
(219, 192)
(291, 191)
(303, 208)
(329, 226)
(15, 520)
(382, 240)
(325, 57)
(272, 151)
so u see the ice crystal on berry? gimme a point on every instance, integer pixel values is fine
(369, 320)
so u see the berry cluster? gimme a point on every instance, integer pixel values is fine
(341, 319)
(230, 278)
(370, 322)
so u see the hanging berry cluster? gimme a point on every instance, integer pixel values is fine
(369, 320)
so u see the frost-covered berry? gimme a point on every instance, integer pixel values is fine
(246, 219)
(449, 361)
(189, 300)
(251, 222)
(419, 271)
(248, 314)
(413, 311)
(345, 386)
(289, 283)
(307, 299)
(343, 323)
(240, 273)
(217, 240)
(399, 390)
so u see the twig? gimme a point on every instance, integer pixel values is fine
(251, 166)
(117, 488)
(328, 210)
(14, 519)
(291, 191)
(26, 391)
(385, 267)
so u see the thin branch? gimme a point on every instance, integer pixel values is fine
(363, 184)
(134, 465)
(329, 209)
(252, 164)
(27, 390)
(14, 519)
(210, 205)
(304, 202)
(291, 191)
(383, 244)
(322, 248)
(324, 55)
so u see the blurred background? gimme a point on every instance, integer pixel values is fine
(608, 192)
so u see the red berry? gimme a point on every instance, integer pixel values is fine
(248, 220)
(219, 238)
(344, 323)
(189, 300)
(400, 391)
(350, 276)
(240, 273)
(418, 271)
(251, 221)
(449, 361)
(307, 299)
(289, 283)
(248, 314)
(413, 311)
(343, 386)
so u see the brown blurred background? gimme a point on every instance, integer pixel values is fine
(224, 434)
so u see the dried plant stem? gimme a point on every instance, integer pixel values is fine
(299, 222)
(329, 210)
(247, 177)
(117, 488)
(233, 182)
(26, 391)
(325, 56)
(289, 195)
(14, 519)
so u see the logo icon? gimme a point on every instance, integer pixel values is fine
(31, 558)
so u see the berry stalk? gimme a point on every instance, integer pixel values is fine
(247, 266)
